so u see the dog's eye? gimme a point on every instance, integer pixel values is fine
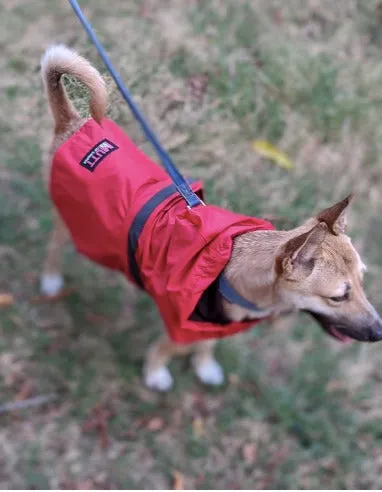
(345, 297)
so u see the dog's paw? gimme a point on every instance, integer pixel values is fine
(210, 372)
(51, 284)
(159, 380)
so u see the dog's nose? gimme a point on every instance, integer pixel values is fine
(375, 330)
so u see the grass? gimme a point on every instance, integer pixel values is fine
(298, 410)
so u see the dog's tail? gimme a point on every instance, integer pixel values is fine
(59, 60)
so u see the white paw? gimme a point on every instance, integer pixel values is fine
(210, 372)
(160, 380)
(51, 284)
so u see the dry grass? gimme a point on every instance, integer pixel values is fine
(299, 411)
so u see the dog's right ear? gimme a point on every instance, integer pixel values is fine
(300, 252)
(335, 216)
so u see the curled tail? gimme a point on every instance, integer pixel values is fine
(59, 60)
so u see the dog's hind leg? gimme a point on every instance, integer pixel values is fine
(51, 281)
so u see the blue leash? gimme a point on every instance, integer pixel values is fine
(181, 184)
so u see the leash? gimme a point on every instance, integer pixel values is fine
(181, 184)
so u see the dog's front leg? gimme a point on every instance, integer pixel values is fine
(158, 377)
(155, 372)
(208, 370)
(51, 281)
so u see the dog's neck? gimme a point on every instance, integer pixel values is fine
(251, 272)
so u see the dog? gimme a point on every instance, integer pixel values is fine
(249, 272)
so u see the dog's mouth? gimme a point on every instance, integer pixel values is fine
(331, 328)
(335, 333)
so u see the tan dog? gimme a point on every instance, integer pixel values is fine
(313, 268)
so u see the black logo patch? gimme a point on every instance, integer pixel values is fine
(98, 154)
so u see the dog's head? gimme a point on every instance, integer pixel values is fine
(320, 272)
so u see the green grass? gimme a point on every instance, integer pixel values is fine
(306, 77)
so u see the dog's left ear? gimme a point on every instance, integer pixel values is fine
(335, 217)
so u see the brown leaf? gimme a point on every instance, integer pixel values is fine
(197, 86)
(6, 300)
(86, 484)
(233, 379)
(98, 420)
(44, 298)
(56, 346)
(172, 98)
(329, 463)
(155, 424)
(277, 16)
(176, 140)
(8, 250)
(176, 418)
(379, 11)
(25, 391)
(145, 9)
(198, 427)
(249, 452)
(335, 385)
(16, 320)
(95, 318)
(178, 480)
(104, 434)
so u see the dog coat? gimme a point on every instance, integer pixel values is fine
(124, 212)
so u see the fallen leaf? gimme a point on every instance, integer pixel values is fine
(266, 149)
(25, 391)
(6, 300)
(16, 320)
(249, 452)
(199, 480)
(44, 298)
(277, 16)
(86, 484)
(155, 424)
(176, 418)
(98, 420)
(379, 11)
(172, 98)
(275, 461)
(329, 463)
(335, 385)
(197, 85)
(198, 427)
(145, 9)
(8, 251)
(104, 435)
(176, 140)
(178, 480)
(95, 318)
(233, 378)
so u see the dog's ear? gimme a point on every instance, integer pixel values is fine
(301, 251)
(335, 217)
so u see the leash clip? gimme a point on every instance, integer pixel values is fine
(200, 203)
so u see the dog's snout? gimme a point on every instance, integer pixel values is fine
(375, 330)
(365, 329)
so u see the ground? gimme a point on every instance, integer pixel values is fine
(299, 410)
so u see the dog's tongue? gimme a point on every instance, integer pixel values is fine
(340, 336)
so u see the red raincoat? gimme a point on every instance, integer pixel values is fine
(123, 212)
